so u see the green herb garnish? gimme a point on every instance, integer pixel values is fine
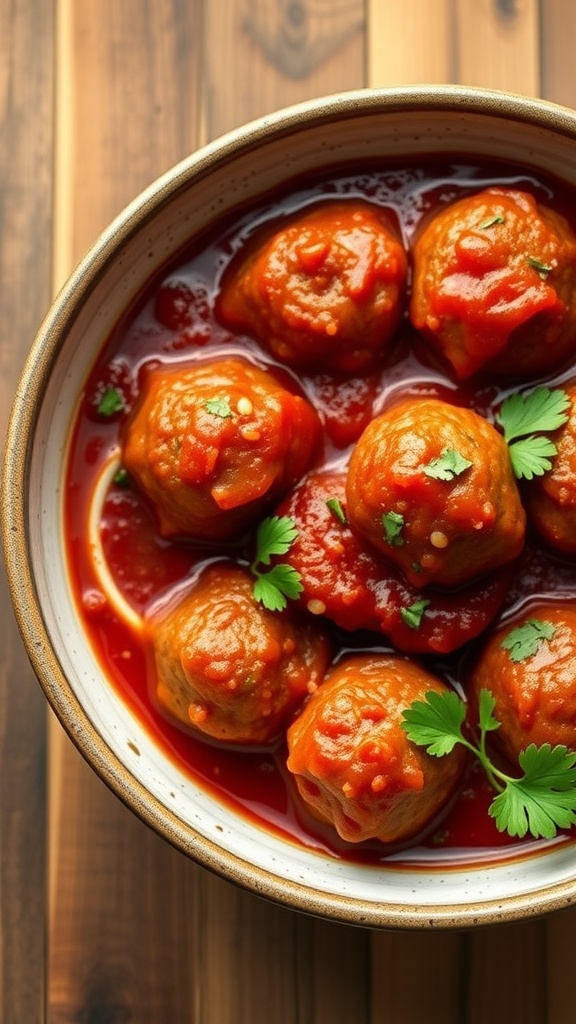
(524, 641)
(111, 402)
(335, 507)
(541, 268)
(393, 523)
(491, 221)
(218, 407)
(540, 801)
(121, 477)
(412, 615)
(275, 536)
(522, 417)
(447, 465)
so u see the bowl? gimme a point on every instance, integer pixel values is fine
(226, 176)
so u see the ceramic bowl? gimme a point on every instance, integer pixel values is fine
(230, 173)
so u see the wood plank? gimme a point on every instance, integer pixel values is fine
(496, 44)
(261, 56)
(436, 959)
(121, 898)
(558, 31)
(409, 43)
(560, 939)
(506, 974)
(26, 75)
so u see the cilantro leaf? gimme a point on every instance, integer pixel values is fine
(530, 456)
(275, 536)
(543, 798)
(542, 409)
(335, 507)
(393, 523)
(111, 402)
(521, 416)
(412, 615)
(538, 802)
(447, 465)
(486, 705)
(272, 588)
(524, 641)
(435, 722)
(218, 407)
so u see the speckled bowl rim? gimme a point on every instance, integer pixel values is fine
(14, 513)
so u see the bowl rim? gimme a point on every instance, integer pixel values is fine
(14, 519)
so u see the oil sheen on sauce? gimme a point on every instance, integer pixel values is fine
(147, 568)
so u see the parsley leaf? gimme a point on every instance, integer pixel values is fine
(111, 402)
(447, 465)
(524, 641)
(412, 615)
(218, 407)
(521, 417)
(275, 536)
(393, 523)
(538, 802)
(335, 507)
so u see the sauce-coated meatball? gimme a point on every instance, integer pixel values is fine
(226, 666)
(551, 498)
(213, 444)
(495, 284)
(353, 763)
(325, 289)
(344, 579)
(430, 485)
(529, 665)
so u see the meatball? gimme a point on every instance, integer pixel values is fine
(353, 763)
(430, 485)
(213, 444)
(325, 289)
(529, 665)
(494, 284)
(227, 667)
(551, 498)
(347, 581)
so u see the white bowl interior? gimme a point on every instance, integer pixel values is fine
(228, 174)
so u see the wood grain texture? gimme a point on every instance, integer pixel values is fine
(496, 44)
(246, 70)
(410, 43)
(26, 179)
(136, 931)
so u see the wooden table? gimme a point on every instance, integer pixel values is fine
(101, 921)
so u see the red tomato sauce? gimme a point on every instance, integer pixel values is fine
(174, 321)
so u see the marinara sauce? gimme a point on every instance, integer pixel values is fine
(176, 322)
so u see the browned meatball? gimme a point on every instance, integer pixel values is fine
(353, 763)
(495, 284)
(346, 580)
(529, 665)
(430, 485)
(227, 667)
(325, 289)
(551, 498)
(213, 444)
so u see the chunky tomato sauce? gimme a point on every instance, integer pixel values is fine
(166, 326)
